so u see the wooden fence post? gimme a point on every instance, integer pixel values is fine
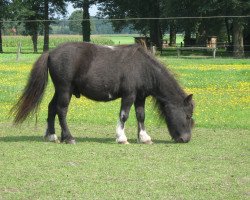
(153, 50)
(18, 51)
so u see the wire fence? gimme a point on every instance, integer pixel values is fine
(131, 18)
(15, 37)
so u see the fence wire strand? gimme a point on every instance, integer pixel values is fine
(128, 19)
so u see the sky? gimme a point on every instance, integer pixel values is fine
(92, 10)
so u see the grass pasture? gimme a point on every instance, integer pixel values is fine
(214, 165)
(10, 43)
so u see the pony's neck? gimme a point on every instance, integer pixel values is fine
(164, 87)
(168, 89)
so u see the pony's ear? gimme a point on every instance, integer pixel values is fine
(188, 99)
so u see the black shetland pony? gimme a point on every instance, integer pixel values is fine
(105, 73)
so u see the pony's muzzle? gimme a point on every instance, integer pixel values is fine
(184, 138)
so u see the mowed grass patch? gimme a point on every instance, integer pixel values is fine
(215, 164)
(11, 43)
(121, 38)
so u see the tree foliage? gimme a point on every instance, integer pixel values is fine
(136, 9)
(3, 15)
(97, 26)
(36, 15)
(51, 7)
(75, 24)
(233, 31)
(84, 5)
(195, 29)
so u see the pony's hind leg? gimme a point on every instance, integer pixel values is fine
(142, 136)
(62, 109)
(126, 104)
(50, 132)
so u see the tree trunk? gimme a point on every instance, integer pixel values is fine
(172, 35)
(155, 34)
(238, 46)
(228, 31)
(187, 38)
(230, 45)
(46, 26)
(1, 40)
(155, 26)
(86, 22)
(34, 40)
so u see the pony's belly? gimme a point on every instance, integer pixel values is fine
(99, 95)
(98, 89)
(105, 98)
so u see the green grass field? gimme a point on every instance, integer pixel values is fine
(10, 43)
(214, 165)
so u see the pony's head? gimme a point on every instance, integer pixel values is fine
(179, 119)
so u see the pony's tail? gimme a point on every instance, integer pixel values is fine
(34, 90)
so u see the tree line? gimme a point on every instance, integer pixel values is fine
(97, 26)
(234, 31)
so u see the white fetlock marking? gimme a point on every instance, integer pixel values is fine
(120, 134)
(110, 47)
(52, 137)
(144, 137)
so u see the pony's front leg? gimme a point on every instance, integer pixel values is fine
(126, 104)
(142, 136)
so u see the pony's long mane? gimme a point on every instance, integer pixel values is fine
(169, 90)
(168, 82)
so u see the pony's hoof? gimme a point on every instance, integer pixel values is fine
(70, 141)
(123, 142)
(148, 142)
(51, 138)
(57, 141)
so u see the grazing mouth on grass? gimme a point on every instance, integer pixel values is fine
(184, 138)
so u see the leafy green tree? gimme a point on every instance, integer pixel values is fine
(75, 24)
(60, 27)
(136, 9)
(172, 25)
(36, 15)
(185, 8)
(4, 7)
(247, 35)
(97, 26)
(234, 26)
(32, 16)
(86, 25)
(49, 8)
(237, 8)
